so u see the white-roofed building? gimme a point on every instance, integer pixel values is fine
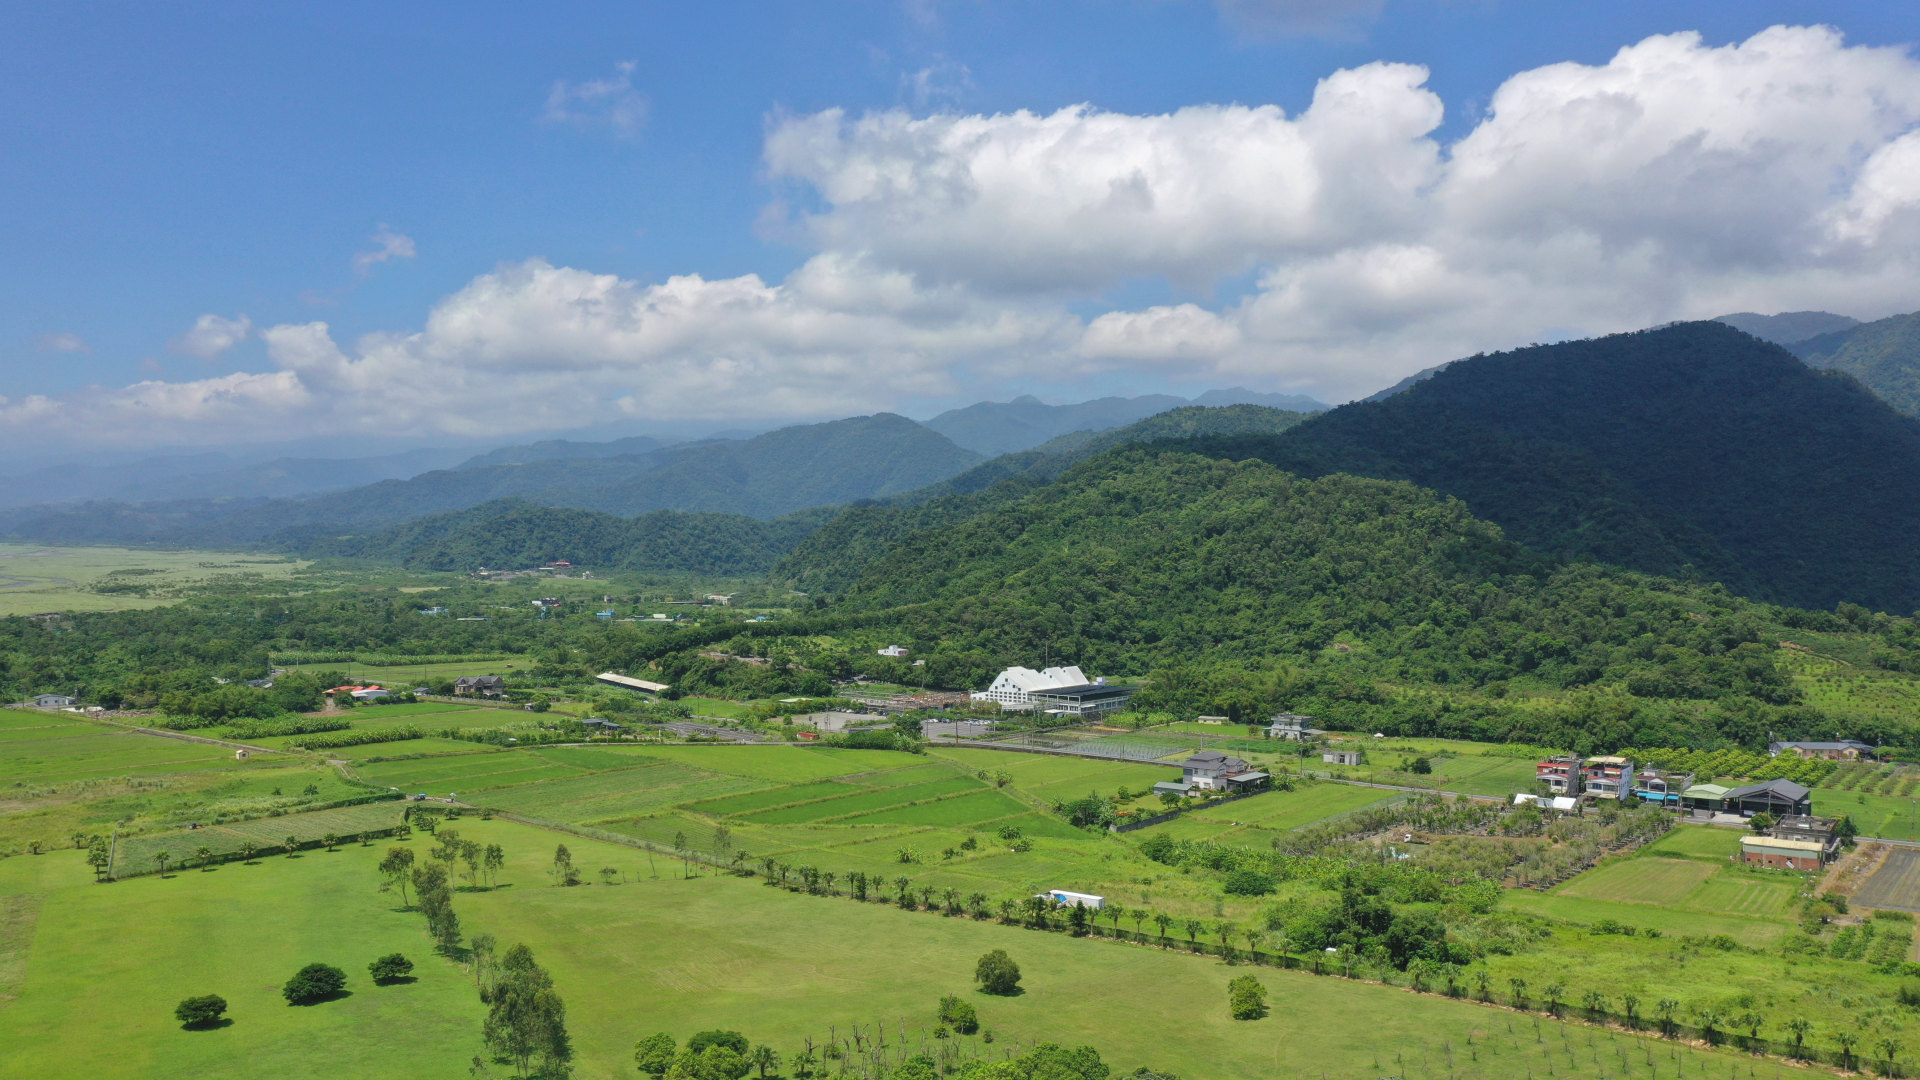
(1014, 689)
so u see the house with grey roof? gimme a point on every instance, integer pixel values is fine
(1780, 798)
(1840, 750)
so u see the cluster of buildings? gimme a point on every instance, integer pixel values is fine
(1795, 842)
(1610, 776)
(1055, 691)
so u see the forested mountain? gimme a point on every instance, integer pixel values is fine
(1241, 586)
(561, 449)
(765, 476)
(992, 427)
(1884, 355)
(1693, 449)
(514, 533)
(836, 555)
(1789, 326)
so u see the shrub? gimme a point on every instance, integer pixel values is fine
(1249, 882)
(732, 1040)
(390, 968)
(1247, 998)
(959, 1015)
(199, 1012)
(997, 973)
(1158, 847)
(315, 982)
(1909, 995)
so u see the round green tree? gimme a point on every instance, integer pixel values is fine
(315, 982)
(200, 1012)
(997, 973)
(390, 968)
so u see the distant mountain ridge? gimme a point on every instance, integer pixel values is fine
(764, 477)
(992, 428)
(1884, 355)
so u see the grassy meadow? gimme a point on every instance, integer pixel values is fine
(35, 578)
(665, 953)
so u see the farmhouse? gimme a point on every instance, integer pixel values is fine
(1843, 750)
(52, 701)
(1211, 770)
(1343, 757)
(1781, 798)
(1798, 842)
(1704, 797)
(370, 693)
(894, 650)
(1596, 777)
(1291, 726)
(628, 683)
(605, 727)
(1660, 787)
(480, 686)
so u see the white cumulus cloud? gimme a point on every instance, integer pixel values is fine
(211, 335)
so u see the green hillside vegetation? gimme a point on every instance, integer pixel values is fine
(515, 532)
(1243, 589)
(1883, 355)
(829, 560)
(1690, 451)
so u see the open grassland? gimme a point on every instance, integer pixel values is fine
(35, 579)
(1667, 882)
(42, 749)
(682, 955)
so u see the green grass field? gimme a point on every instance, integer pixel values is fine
(1697, 842)
(408, 676)
(35, 578)
(677, 955)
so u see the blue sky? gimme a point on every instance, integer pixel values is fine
(368, 165)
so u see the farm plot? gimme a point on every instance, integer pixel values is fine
(1895, 886)
(1697, 842)
(1744, 892)
(780, 764)
(968, 809)
(1667, 882)
(862, 802)
(136, 855)
(1304, 805)
(768, 799)
(1485, 775)
(1034, 771)
(469, 771)
(617, 793)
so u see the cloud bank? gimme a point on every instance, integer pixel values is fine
(951, 252)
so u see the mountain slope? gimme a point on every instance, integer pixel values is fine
(1689, 448)
(560, 449)
(514, 533)
(1789, 326)
(1883, 355)
(832, 558)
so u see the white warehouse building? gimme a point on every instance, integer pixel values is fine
(1060, 691)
